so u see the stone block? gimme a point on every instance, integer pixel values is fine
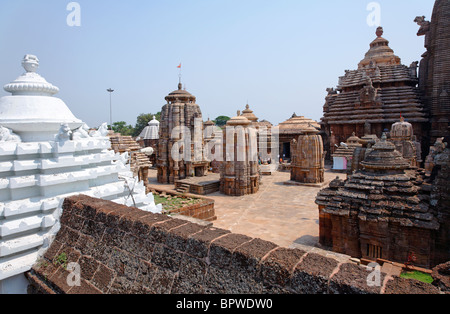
(277, 268)
(312, 274)
(221, 250)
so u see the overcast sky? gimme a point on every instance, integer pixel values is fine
(280, 56)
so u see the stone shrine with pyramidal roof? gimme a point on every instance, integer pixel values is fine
(373, 97)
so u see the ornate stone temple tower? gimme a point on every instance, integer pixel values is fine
(239, 171)
(435, 69)
(381, 211)
(308, 164)
(373, 97)
(181, 120)
(46, 155)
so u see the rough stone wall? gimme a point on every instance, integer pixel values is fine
(124, 250)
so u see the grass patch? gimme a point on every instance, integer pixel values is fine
(418, 276)
(170, 202)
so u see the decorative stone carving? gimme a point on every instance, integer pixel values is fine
(81, 132)
(6, 135)
(434, 74)
(101, 132)
(65, 133)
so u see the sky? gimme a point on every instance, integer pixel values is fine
(277, 56)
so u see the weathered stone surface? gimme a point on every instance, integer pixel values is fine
(169, 263)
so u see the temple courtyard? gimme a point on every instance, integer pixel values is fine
(283, 214)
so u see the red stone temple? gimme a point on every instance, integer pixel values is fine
(373, 97)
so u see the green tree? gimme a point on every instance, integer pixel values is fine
(143, 120)
(221, 120)
(122, 128)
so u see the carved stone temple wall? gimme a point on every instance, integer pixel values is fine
(435, 69)
(308, 164)
(239, 171)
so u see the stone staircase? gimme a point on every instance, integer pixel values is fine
(183, 188)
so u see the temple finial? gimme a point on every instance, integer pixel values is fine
(379, 31)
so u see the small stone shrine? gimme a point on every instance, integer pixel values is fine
(402, 135)
(382, 211)
(308, 163)
(239, 171)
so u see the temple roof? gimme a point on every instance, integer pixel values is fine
(379, 53)
(384, 156)
(248, 113)
(238, 120)
(296, 125)
(180, 95)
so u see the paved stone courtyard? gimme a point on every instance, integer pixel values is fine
(285, 215)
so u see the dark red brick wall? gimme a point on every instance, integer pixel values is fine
(123, 250)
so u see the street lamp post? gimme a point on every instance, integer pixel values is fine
(110, 91)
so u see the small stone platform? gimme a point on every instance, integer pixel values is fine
(199, 185)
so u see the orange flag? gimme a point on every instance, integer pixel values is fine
(179, 66)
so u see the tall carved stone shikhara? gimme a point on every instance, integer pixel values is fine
(373, 97)
(435, 69)
(181, 119)
(239, 170)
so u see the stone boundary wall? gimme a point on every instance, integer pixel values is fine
(123, 250)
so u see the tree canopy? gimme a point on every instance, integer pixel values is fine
(221, 120)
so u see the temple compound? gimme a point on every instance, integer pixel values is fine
(434, 77)
(181, 118)
(387, 211)
(373, 97)
(308, 163)
(46, 155)
(239, 170)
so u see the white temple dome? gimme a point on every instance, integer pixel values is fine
(151, 132)
(31, 111)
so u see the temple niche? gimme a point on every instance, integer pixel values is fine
(308, 164)
(370, 99)
(434, 77)
(382, 211)
(181, 121)
(239, 171)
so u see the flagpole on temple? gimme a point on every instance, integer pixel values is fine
(179, 75)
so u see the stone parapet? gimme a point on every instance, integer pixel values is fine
(124, 250)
